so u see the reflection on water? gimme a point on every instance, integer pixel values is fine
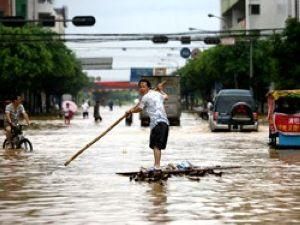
(286, 155)
(36, 188)
(158, 211)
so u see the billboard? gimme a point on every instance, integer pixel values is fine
(136, 73)
(100, 63)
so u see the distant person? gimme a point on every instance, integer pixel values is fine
(209, 106)
(85, 110)
(13, 113)
(68, 114)
(128, 120)
(153, 102)
(111, 105)
(97, 116)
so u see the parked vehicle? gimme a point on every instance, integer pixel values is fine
(233, 109)
(172, 105)
(18, 140)
(284, 118)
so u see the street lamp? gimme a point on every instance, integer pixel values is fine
(220, 18)
(196, 29)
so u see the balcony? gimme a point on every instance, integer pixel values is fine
(228, 4)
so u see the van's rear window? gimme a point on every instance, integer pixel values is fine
(224, 103)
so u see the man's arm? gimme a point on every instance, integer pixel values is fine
(135, 109)
(159, 88)
(26, 117)
(8, 118)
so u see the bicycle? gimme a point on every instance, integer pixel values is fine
(18, 139)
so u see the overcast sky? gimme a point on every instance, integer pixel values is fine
(138, 16)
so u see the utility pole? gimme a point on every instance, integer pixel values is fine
(251, 65)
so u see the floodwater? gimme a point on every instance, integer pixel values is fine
(36, 188)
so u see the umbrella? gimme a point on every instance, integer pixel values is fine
(72, 105)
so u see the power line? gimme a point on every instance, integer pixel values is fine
(193, 32)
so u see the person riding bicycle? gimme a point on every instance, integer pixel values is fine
(13, 112)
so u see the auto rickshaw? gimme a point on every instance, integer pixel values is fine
(284, 118)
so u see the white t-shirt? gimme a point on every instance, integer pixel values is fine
(153, 103)
(14, 113)
(85, 107)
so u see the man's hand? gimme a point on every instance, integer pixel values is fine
(160, 86)
(12, 125)
(128, 112)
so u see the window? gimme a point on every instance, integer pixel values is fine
(44, 1)
(254, 9)
(44, 15)
(1, 13)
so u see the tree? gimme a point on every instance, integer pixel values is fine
(286, 53)
(34, 60)
(228, 67)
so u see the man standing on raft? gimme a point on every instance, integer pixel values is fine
(153, 102)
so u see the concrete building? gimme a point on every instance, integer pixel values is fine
(34, 10)
(6, 7)
(257, 14)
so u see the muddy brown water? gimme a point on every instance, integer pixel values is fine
(36, 188)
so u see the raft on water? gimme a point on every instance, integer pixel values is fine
(190, 171)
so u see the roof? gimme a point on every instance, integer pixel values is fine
(235, 92)
(276, 94)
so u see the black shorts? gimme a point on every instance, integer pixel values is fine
(159, 136)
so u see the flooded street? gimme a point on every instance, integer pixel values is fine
(36, 188)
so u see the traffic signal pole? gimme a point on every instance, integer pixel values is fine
(17, 21)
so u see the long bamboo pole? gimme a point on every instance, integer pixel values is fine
(95, 140)
(101, 135)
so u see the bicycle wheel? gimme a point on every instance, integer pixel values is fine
(7, 145)
(26, 145)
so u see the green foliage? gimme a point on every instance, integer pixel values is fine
(33, 59)
(275, 60)
(286, 53)
(225, 65)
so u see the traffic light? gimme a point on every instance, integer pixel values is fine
(83, 20)
(185, 40)
(13, 21)
(48, 21)
(212, 40)
(160, 39)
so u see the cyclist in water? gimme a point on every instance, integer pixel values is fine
(13, 112)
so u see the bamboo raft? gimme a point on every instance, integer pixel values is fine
(192, 173)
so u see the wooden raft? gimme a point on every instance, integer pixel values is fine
(192, 173)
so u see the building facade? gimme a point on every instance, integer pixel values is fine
(6, 7)
(258, 14)
(34, 10)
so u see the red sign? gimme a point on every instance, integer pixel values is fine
(287, 123)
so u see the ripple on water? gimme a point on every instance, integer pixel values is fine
(37, 188)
